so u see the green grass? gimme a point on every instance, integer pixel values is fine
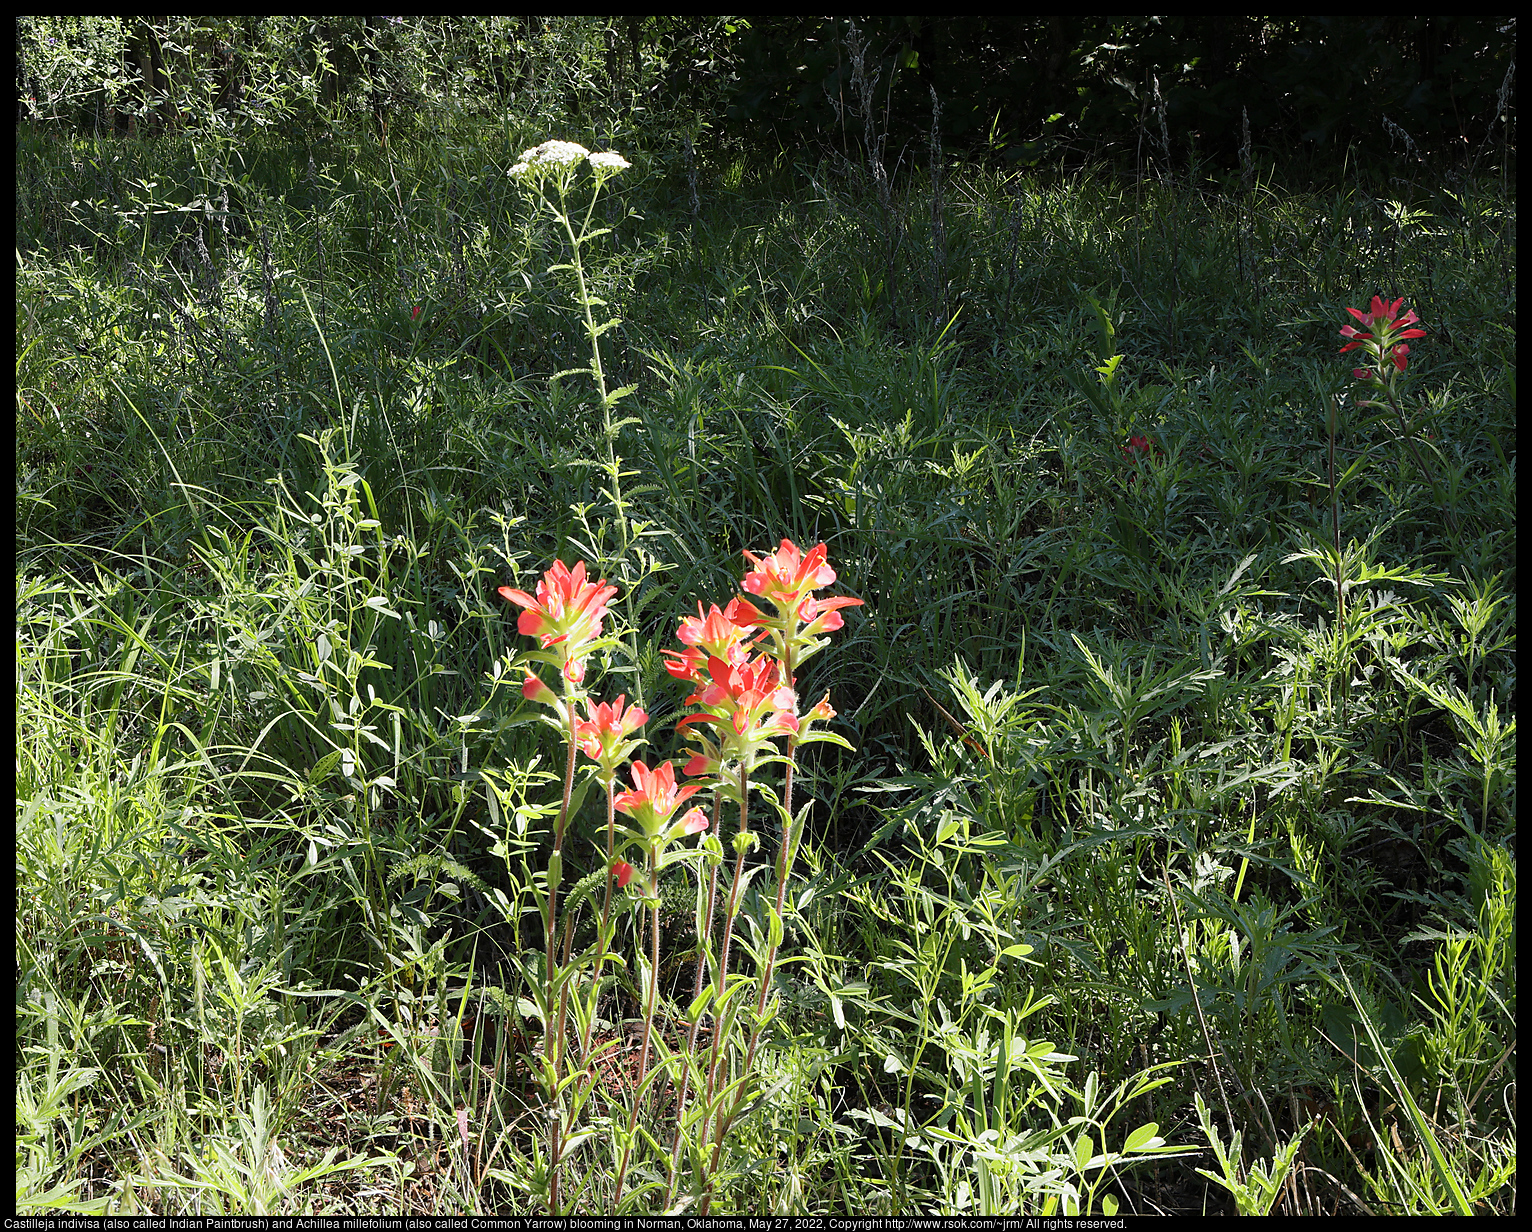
(1131, 820)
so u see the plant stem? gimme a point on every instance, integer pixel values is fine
(728, 933)
(654, 992)
(1340, 598)
(704, 940)
(606, 908)
(784, 865)
(1340, 594)
(553, 1033)
(598, 374)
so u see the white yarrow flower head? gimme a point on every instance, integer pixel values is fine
(556, 154)
(609, 163)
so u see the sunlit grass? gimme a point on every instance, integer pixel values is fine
(1127, 804)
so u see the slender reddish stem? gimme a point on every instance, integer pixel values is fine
(606, 908)
(727, 1120)
(654, 992)
(704, 940)
(554, 1032)
(728, 934)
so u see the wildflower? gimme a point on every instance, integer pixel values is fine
(1385, 319)
(748, 704)
(556, 154)
(551, 156)
(534, 690)
(720, 633)
(1137, 448)
(1397, 355)
(751, 701)
(608, 164)
(716, 632)
(745, 691)
(1388, 342)
(654, 797)
(786, 579)
(415, 313)
(603, 734)
(623, 871)
(566, 613)
(787, 575)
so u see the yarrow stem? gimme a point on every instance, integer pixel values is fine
(556, 165)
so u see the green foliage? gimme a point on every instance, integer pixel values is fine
(1135, 823)
(226, 77)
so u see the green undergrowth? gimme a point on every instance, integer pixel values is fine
(1151, 883)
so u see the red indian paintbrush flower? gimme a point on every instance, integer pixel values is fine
(786, 577)
(1137, 449)
(603, 736)
(534, 690)
(748, 705)
(1387, 343)
(746, 690)
(566, 613)
(623, 871)
(1383, 317)
(717, 634)
(823, 712)
(751, 701)
(654, 797)
(786, 580)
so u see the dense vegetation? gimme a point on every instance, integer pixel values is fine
(1170, 865)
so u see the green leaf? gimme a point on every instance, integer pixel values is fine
(324, 768)
(699, 1004)
(824, 737)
